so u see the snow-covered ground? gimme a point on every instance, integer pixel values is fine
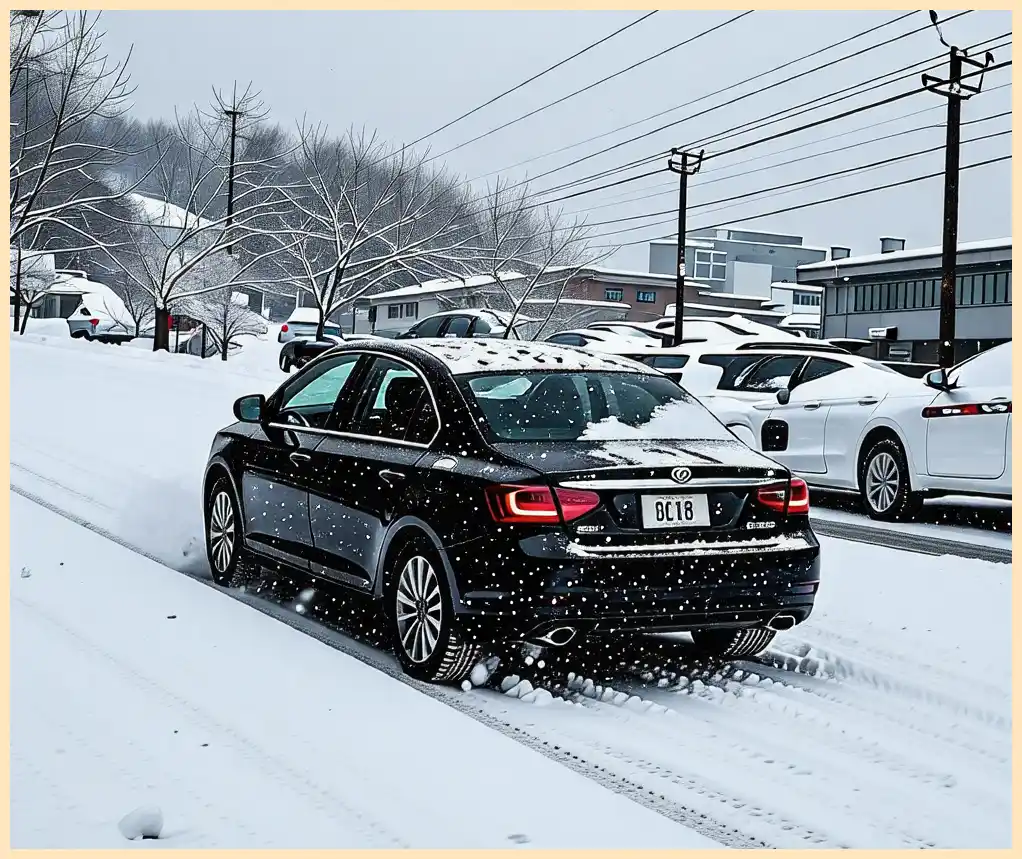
(884, 721)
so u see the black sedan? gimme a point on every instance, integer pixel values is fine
(490, 491)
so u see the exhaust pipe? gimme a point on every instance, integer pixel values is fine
(781, 622)
(559, 636)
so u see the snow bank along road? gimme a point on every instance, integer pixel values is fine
(883, 721)
(134, 685)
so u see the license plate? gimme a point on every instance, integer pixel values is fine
(675, 511)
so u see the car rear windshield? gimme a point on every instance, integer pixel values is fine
(581, 406)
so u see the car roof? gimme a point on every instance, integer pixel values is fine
(463, 356)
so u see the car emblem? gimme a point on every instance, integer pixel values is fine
(681, 475)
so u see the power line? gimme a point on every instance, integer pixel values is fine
(778, 116)
(802, 182)
(700, 98)
(739, 98)
(757, 142)
(591, 86)
(837, 116)
(535, 77)
(834, 151)
(847, 196)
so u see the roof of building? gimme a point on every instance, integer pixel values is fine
(486, 355)
(441, 285)
(801, 287)
(160, 213)
(915, 253)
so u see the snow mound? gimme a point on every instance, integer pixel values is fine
(143, 822)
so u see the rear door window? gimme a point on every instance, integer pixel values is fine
(770, 375)
(428, 327)
(395, 405)
(818, 368)
(731, 367)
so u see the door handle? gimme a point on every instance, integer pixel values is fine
(868, 401)
(390, 477)
(811, 406)
(299, 458)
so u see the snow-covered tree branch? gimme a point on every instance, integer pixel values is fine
(364, 218)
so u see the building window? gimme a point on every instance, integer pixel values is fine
(645, 297)
(711, 265)
(393, 311)
(411, 310)
(613, 294)
(1002, 292)
(806, 299)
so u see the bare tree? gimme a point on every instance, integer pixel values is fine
(227, 318)
(32, 276)
(365, 217)
(67, 97)
(531, 259)
(138, 303)
(169, 245)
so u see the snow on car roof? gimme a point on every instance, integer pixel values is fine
(486, 355)
(308, 315)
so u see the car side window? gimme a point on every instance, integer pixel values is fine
(428, 327)
(770, 375)
(670, 362)
(458, 326)
(481, 327)
(310, 399)
(567, 340)
(395, 405)
(820, 367)
(732, 366)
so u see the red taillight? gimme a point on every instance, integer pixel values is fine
(576, 502)
(792, 498)
(93, 322)
(283, 328)
(538, 505)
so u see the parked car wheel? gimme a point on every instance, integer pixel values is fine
(421, 617)
(229, 563)
(732, 643)
(884, 483)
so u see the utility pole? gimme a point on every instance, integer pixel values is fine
(685, 167)
(955, 91)
(233, 113)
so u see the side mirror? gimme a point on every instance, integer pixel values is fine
(250, 409)
(783, 396)
(938, 380)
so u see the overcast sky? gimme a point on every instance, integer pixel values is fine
(407, 73)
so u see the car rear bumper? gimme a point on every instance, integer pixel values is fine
(667, 590)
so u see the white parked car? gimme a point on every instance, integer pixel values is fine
(302, 323)
(101, 316)
(604, 342)
(848, 423)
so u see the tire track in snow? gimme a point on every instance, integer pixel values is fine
(924, 545)
(622, 785)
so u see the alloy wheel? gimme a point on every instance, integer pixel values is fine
(221, 531)
(419, 609)
(882, 481)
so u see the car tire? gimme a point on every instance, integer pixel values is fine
(418, 607)
(884, 485)
(733, 643)
(230, 564)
